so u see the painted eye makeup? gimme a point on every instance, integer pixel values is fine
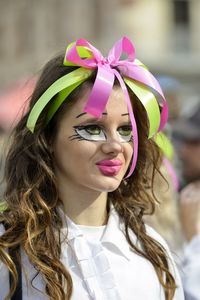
(94, 132)
(125, 133)
(91, 132)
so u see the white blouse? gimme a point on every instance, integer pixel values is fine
(191, 268)
(102, 266)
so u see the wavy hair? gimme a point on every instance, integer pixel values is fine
(31, 194)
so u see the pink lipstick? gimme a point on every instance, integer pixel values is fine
(109, 167)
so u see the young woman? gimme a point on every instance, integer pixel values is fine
(77, 174)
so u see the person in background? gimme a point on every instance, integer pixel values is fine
(187, 137)
(171, 87)
(166, 219)
(190, 218)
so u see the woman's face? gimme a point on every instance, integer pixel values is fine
(91, 153)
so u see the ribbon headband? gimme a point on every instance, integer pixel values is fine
(129, 72)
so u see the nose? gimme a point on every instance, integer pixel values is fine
(112, 147)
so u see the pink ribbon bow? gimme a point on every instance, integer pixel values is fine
(107, 69)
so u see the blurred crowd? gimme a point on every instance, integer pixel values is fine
(177, 216)
(187, 141)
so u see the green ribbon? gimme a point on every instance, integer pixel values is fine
(149, 102)
(3, 206)
(165, 145)
(66, 84)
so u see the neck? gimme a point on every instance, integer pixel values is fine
(83, 206)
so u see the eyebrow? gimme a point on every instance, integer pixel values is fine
(126, 114)
(84, 113)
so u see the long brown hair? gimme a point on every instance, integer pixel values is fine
(32, 198)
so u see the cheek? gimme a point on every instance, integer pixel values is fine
(75, 153)
(82, 149)
(128, 152)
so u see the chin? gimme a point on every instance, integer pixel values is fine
(109, 184)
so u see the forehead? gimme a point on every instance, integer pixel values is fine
(116, 104)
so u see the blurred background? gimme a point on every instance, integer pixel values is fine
(165, 33)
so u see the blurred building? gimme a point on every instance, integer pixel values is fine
(165, 32)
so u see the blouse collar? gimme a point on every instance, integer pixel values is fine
(114, 233)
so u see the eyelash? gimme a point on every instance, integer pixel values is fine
(78, 137)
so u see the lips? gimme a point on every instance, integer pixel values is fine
(113, 162)
(109, 167)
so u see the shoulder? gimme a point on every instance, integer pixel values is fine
(172, 264)
(193, 245)
(191, 257)
(158, 238)
(191, 268)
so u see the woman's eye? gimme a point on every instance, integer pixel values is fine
(90, 132)
(125, 133)
(93, 132)
(125, 130)
(93, 129)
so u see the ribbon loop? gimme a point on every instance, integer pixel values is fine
(125, 46)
